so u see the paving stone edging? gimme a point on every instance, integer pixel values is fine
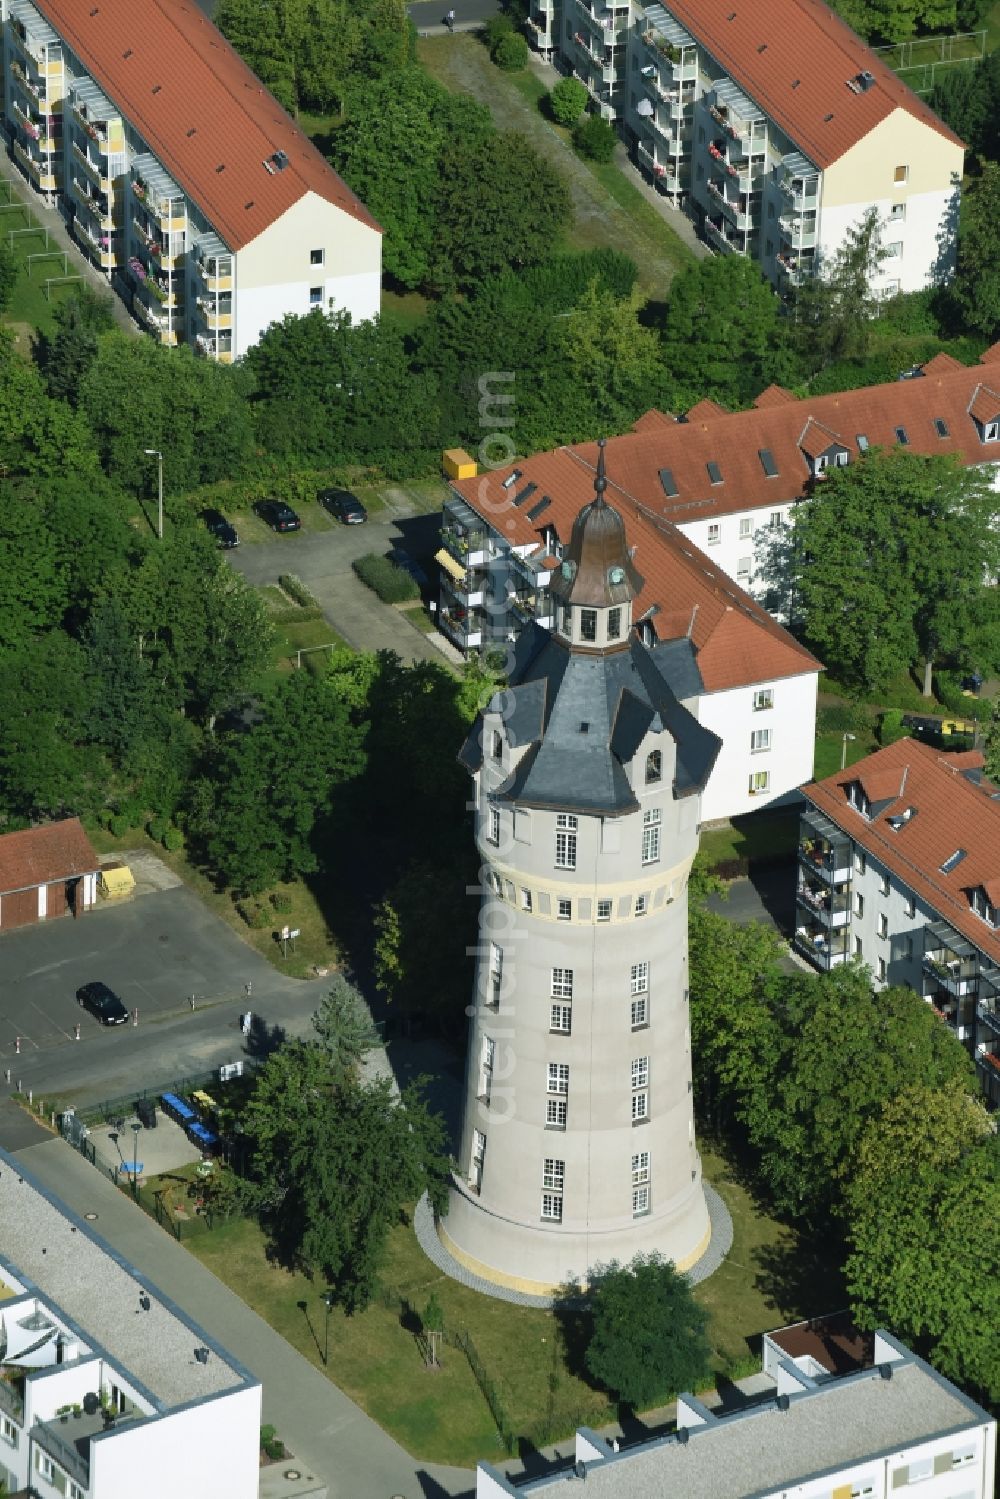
(427, 1237)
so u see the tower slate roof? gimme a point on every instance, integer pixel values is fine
(582, 717)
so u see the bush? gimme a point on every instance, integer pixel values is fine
(173, 839)
(119, 825)
(842, 718)
(496, 28)
(511, 52)
(567, 101)
(595, 138)
(256, 916)
(281, 902)
(156, 827)
(391, 583)
(949, 692)
(890, 726)
(297, 590)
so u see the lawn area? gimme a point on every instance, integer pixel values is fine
(769, 1278)
(29, 304)
(830, 747)
(759, 835)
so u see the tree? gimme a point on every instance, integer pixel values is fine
(80, 320)
(724, 336)
(595, 138)
(46, 767)
(433, 1324)
(567, 101)
(898, 20)
(10, 270)
(834, 309)
(922, 1208)
(648, 1341)
(511, 52)
(389, 970)
(344, 1027)
(976, 289)
(891, 555)
(992, 746)
(482, 191)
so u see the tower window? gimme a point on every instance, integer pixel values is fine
(639, 978)
(562, 983)
(654, 767)
(604, 910)
(494, 824)
(561, 1019)
(497, 745)
(565, 910)
(558, 1078)
(553, 1180)
(588, 624)
(651, 835)
(566, 619)
(566, 826)
(614, 624)
(640, 1012)
(640, 1072)
(525, 900)
(555, 1113)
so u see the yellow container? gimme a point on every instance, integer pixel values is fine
(457, 464)
(116, 881)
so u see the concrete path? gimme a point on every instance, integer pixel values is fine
(327, 1432)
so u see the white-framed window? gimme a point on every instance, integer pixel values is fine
(775, 519)
(760, 740)
(881, 970)
(714, 533)
(860, 861)
(898, 212)
(640, 1202)
(744, 567)
(566, 827)
(553, 1174)
(640, 1168)
(640, 1072)
(494, 824)
(486, 1055)
(901, 174)
(564, 910)
(883, 884)
(496, 974)
(561, 1019)
(49, 1470)
(991, 432)
(525, 899)
(604, 910)
(763, 699)
(640, 1012)
(555, 1113)
(639, 978)
(760, 781)
(910, 908)
(315, 296)
(9, 1432)
(562, 983)
(746, 527)
(651, 835)
(894, 250)
(496, 880)
(654, 767)
(614, 624)
(859, 904)
(477, 1157)
(496, 745)
(883, 925)
(317, 257)
(963, 1455)
(641, 905)
(558, 1078)
(640, 1107)
(859, 948)
(552, 1207)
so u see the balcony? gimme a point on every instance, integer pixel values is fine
(33, 49)
(35, 90)
(470, 588)
(97, 244)
(93, 168)
(825, 853)
(664, 51)
(95, 130)
(823, 948)
(11, 1398)
(831, 907)
(735, 129)
(466, 546)
(950, 962)
(68, 1453)
(464, 627)
(718, 237)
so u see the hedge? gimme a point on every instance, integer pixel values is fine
(391, 583)
(297, 590)
(949, 692)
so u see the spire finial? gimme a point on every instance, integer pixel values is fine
(601, 482)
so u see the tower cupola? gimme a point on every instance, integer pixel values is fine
(596, 583)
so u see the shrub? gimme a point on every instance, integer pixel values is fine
(841, 718)
(496, 28)
(890, 726)
(567, 101)
(156, 827)
(119, 825)
(511, 52)
(281, 902)
(391, 583)
(254, 914)
(297, 590)
(173, 839)
(595, 138)
(949, 692)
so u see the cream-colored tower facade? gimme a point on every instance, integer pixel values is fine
(578, 1141)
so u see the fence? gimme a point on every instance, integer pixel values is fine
(925, 56)
(124, 1106)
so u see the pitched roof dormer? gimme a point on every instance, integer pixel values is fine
(984, 408)
(821, 447)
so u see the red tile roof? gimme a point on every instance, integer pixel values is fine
(199, 107)
(55, 851)
(736, 641)
(952, 812)
(795, 59)
(733, 440)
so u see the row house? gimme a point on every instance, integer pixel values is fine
(776, 124)
(180, 176)
(899, 866)
(106, 1389)
(829, 1425)
(505, 533)
(729, 480)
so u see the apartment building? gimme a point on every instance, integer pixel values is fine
(180, 176)
(777, 123)
(899, 865)
(851, 1432)
(504, 536)
(106, 1389)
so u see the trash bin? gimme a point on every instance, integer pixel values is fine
(146, 1112)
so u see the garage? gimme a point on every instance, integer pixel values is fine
(46, 872)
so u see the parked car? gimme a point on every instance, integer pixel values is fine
(278, 515)
(103, 1003)
(405, 561)
(223, 530)
(344, 506)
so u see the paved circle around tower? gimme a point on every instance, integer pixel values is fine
(427, 1237)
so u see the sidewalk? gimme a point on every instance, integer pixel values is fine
(326, 1431)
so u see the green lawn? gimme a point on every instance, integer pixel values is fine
(759, 835)
(768, 1279)
(830, 747)
(29, 305)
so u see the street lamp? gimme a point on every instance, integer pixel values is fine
(328, 1303)
(155, 453)
(843, 749)
(135, 1158)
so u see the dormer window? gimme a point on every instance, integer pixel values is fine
(858, 799)
(588, 624)
(654, 767)
(991, 432)
(497, 745)
(984, 907)
(614, 624)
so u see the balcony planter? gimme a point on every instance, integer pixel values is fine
(139, 190)
(157, 290)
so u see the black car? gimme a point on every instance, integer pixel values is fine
(278, 515)
(223, 530)
(344, 506)
(103, 1003)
